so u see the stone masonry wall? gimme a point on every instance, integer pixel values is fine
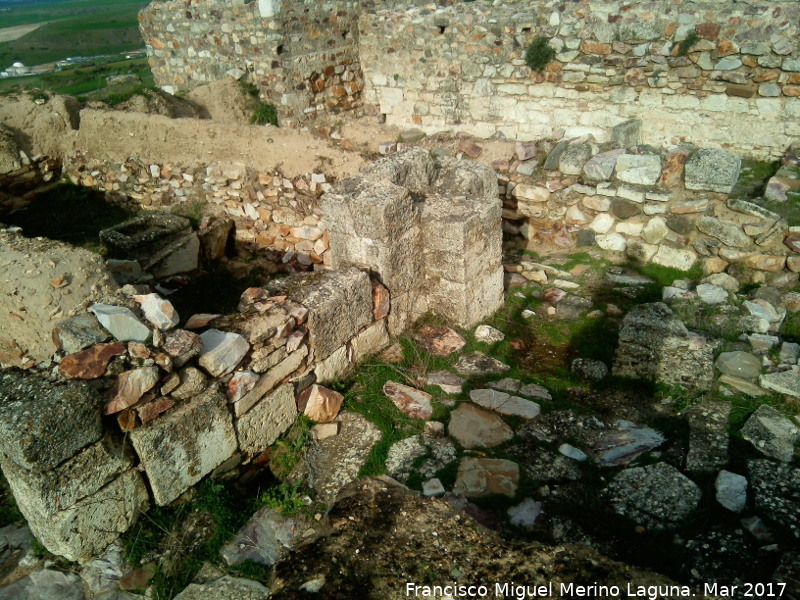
(462, 67)
(269, 211)
(304, 58)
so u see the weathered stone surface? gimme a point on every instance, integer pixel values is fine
(639, 169)
(708, 436)
(678, 258)
(655, 230)
(86, 528)
(222, 351)
(77, 333)
(129, 387)
(182, 346)
(774, 486)
(738, 364)
(475, 428)
(332, 463)
(771, 433)
(478, 365)
(708, 293)
(42, 424)
(120, 322)
(263, 539)
(47, 584)
(265, 422)
(731, 491)
(602, 223)
(441, 341)
(574, 157)
(192, 382)
(150, 410)
(601, 166)
(225, 588)
(158, 311)
(180, 448)
(656, 346)
(589, 369)
(625, 209)
(90, 363)
(478, 477)
(712, 169)
(240, 383)
(320, 404)
(656, 496)
(627, 442)
(339, 304)
(727, 233)
(505, 404)
(743, 386)
(488, 334)
(413, 402)
(448, 382)
(404, 456)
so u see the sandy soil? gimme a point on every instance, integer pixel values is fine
(9, 34)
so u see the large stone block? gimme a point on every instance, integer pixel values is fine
(55, 490)
(712, 169)
(182, 446)
(656, 346)
(89, 526)
(267, 421)
(42, 424)
(413, 168)
(339, 305)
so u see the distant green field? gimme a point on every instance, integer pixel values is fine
(74, 28)
(83, 79)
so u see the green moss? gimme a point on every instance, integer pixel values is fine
(288, 450)
(664, 276)
(539, 53)
(686, 44)
(9, 513)
(265, 113)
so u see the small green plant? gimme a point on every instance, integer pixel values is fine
(539, 53)
(288, 450)
(249, 89)
(265, 114)
(286, 498)
(685, 45)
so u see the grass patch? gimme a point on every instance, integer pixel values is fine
(286, 498)
(664, 276)
(265, 113)
(539, 53)
(164, 536)
(288, 450)
(753, 178)
(71, 214)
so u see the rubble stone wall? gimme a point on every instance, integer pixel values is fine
(269, 211)
(715, 73)
(304, 58)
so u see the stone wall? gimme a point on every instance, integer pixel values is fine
(269, 211)
(304, 57)
(721, 74)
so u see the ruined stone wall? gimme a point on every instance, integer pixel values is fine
(462, 67)
(304, 58)
(269, 210)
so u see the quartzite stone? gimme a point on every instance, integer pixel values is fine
(478, 477)
(413, 402)
(739, 364)
(479, 365)
(222, 351)
(441, 341)
(129, 387)
(475, 428)
(90, 363)
(505, 404)
(158, 311)
(320, 404)
(120, 322)
(771, 433)
(448, 382)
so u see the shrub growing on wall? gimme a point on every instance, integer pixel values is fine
(539, 53)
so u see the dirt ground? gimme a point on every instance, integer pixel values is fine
(9, 34)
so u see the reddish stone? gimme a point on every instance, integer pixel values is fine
(90, 363)
(254, 294)
(726, 48)
(320, 404)
(470, 149)
(709, 31)
(200, 320)
(673, 169)
(590, 47)
(413, 402)
(740, 91)
(127, 420)
(163, 361)
(181, 345)
(792, 241)
(148, 412)
(441, 341)
(129, 387)
(241, 383)
(791, 90)
(138, 350)
(381, 301)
